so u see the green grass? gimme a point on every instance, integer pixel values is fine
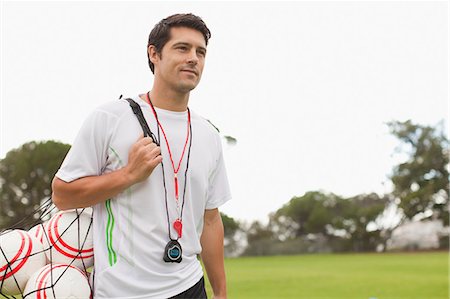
(336, 276)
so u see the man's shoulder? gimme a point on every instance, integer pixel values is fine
(205, 123)
(114, 108)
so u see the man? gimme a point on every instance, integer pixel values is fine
(155, 207)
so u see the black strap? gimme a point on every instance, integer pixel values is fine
(140, 116)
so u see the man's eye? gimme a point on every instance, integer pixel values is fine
(182, 48)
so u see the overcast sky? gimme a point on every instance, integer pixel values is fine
(305, 87)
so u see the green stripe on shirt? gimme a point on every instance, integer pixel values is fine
(112, 257)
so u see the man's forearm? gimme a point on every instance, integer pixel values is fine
(212, 252)
(88, 191)
(143, 157)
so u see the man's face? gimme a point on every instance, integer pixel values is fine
(182, 59)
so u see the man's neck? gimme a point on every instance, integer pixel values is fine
(168, 99)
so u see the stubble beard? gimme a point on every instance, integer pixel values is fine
(184, 87)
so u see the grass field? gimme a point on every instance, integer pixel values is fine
(336, 276)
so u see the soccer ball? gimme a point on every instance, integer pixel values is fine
(70, 234)
(58, 281)
(89, 211)
(25, 255)
(40, 232)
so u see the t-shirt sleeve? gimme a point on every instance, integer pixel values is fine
(88, 154)
(219, 188)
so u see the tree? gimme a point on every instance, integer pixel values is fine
(25, 179)
(260, 239)
(421, 183)
(352, 218)
(344, 223)
(308, 214)
(231, 230)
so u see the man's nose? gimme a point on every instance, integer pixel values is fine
(192, 58)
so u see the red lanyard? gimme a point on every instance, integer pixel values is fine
(177, 224)
(175, 171)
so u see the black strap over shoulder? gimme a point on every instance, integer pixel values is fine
(140, 116)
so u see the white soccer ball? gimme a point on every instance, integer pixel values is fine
(58, 281)
(70, 234)
(87, 210)
(24, 253)
(38, 231)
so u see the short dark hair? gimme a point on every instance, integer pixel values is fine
(160, 34)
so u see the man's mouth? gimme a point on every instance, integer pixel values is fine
(190, 71)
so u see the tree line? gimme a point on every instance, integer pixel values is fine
(320, 221)
(317, 221)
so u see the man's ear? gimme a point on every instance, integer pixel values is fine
(153, 54)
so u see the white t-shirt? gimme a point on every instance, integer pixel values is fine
(131, 229)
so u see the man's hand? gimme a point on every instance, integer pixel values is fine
(143, 157)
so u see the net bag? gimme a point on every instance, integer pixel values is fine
(52, 259)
